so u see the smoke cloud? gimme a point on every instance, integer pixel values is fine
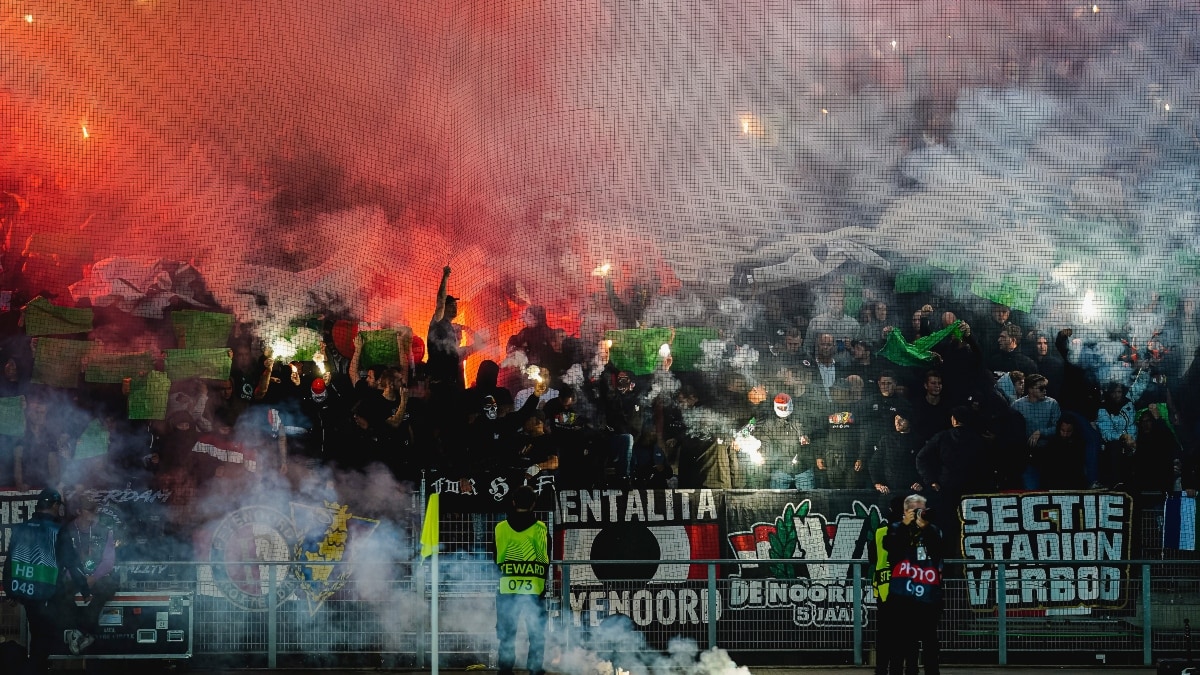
(338, 155)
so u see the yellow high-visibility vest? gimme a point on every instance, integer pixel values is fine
(523, 558)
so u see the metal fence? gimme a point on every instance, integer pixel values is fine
(384, 621)
(375, 612)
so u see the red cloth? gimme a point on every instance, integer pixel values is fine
(343, 337)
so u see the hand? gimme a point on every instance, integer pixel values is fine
(858, 465)
(1033, 439)
(915, 487)
(881, 488)
(87, 599)
(357, 341)
(445, 271)
(820, 465)
(935, 487)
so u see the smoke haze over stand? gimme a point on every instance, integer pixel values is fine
(529, 144)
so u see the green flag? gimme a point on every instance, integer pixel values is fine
(636, 349)
(57, 362)
(379, 348)
(44, 318)
(201, 330)
(685, 348)
(919, 353)
(915, 279)
(93, 442)
(1018, 291)
(148, 396)
(12, 416)
(206, 364)
(111, 368)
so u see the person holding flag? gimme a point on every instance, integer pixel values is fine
(523, 554)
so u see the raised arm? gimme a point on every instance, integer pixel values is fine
(440, 312)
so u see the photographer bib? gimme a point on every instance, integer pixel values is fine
(920, 579)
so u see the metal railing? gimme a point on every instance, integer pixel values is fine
(283, 615)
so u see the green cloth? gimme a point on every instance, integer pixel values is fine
(379, 348)
(852, 296)
(206, 364)
(148, 396)
(57, 362)
(112, 368)
(201, 330)
(93, 442)
(43, 318)
(636, 350)
(12, 416)
(1018, 291)
(919, 353)
(915, 279)
(685, 349)
(296, 344)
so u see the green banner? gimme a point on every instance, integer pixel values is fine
(93, 442)
(201, 330)
(12, 416)
(206, 364)
(44, 318)
(148, 396)
(112, 368)
(57, 362)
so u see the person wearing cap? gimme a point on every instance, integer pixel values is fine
(36, 576)
(789, 456)
(893, 462)
(443, 347)
(523, 555)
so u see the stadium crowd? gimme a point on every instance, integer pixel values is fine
(802, 395)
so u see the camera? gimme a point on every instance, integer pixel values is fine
(917, 513)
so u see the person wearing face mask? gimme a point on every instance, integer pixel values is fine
(489, 437)
(790, 462)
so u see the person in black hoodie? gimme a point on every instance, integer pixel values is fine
(950, 466)
(487, 380)
(894, 462)
(537, 338)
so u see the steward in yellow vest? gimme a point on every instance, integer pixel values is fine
(523, 555)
